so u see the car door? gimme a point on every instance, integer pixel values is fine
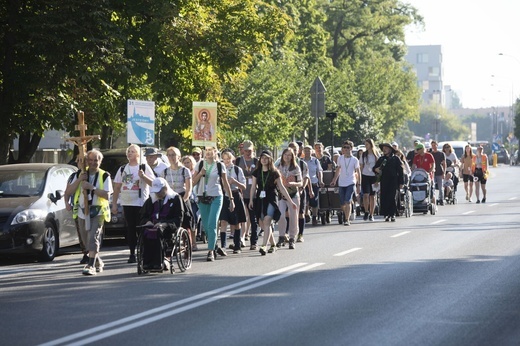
(57, 181)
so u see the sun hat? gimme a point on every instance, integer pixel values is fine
(151, 152)
(382, 145)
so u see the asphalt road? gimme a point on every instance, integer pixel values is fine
(448, 279)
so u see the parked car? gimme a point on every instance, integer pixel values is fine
(112, 160)
(503, 156)
(33, 217)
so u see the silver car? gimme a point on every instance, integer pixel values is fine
(33, 216)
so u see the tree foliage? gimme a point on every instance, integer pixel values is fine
(257, 59)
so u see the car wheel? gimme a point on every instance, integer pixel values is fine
(50, 244)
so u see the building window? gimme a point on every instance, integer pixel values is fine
(422, 58)
(434, 71)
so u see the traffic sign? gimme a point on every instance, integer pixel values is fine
(495, 146)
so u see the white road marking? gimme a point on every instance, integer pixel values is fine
(493, 204)
(512, 198)
(347, 252)
(399, 234)
(216, 294)
(468, 212)
(438, 221)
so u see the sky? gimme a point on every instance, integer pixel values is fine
(472, 33)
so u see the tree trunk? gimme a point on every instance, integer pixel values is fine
(27, 146)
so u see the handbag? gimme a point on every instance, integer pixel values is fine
(206, 199)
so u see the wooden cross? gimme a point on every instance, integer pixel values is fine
(81, 143)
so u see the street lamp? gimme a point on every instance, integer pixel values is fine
(437, 126)
(331, 116)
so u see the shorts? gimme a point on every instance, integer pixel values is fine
(467, 178)
(238, 215)
(366, 184)
(313, 202)
(345, 194)
(480, 176)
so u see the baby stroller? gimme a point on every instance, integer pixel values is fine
(421, 188)
(405, 202)
(449, 196)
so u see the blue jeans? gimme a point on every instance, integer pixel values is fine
(209, 214)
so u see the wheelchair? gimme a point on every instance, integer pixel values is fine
(164, 248)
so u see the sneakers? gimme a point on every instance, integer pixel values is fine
(210, 257)
(132, 259)
(100, 265)
(253, 247)
(89, 270)
(84, 260)
(346, 223)
(291, 243)
(469, 200)
(221, 251)
(281, 241)
(314, 221)
(365, 217)
(299, 239)
(237, 251)
(371, 217)
(307, 218)
(387, 218)
(478, 201)
(231, 246)
(262, 251)
(392, 219)
(272, 249)
(484, 200)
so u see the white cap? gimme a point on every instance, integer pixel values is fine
(158, 184)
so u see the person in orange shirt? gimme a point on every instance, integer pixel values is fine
(479, 167)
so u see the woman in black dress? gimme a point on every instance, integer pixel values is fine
(389, 167)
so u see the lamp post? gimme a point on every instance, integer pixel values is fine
(437, 127)
(512, 125)
(331, 116)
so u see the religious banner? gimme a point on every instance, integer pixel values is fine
(140, 124)
(204, 124)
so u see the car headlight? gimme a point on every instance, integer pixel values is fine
(28, 215)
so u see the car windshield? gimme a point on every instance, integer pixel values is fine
(21, 183)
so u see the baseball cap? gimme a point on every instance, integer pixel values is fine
(394, 144)
(197, 150)
(248, 145)
(266, 153)
(158, 184)
(419, 146)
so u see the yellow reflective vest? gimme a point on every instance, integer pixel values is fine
(104, 204)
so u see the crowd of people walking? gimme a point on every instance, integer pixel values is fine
(253, 196)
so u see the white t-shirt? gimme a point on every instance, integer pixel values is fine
(134, 190)
(369, 162)
(348, 167)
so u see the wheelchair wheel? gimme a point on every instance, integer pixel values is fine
(140, 250)
(183, 249)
